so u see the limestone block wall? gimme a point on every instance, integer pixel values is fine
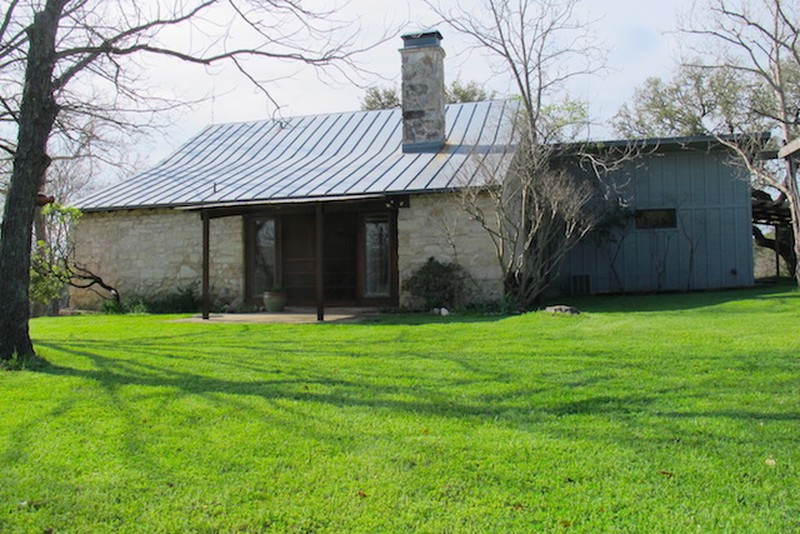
(154, 252)
(436, 225)
(423, 99)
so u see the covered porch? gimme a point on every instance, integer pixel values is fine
(321, 253)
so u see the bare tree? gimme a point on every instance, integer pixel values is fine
(541, 45)
(534, 213)
(67, 63)
(537, 210)
(758, 40)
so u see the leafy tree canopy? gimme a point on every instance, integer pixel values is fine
(380, 98)
(697, 101)
(388, 97)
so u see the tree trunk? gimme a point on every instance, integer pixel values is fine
(782, 244)
(37, 114)
(795, 206)
(793, 196)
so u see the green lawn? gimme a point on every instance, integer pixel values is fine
(672, 413)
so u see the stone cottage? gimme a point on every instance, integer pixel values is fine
(338, 209)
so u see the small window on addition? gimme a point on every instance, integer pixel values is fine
(661, 218)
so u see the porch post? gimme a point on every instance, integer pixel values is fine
(319, 264)
(206, 264)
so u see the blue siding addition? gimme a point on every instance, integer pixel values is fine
(711, 246)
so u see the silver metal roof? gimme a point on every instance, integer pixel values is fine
(318, 157)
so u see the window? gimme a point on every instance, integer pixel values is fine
(581, 284)
(377, 257)
(659, 218)
(265, 256)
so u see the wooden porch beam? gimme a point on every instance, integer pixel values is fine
(791, 149)
(206, 265)
(320, 227)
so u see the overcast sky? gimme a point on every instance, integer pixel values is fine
(637, 34)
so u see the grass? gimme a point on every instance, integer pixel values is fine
(649, 414)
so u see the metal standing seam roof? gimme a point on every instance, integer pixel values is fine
(316, 157)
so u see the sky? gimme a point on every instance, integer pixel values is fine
(638, 34)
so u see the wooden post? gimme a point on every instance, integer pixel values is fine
(206, 265)
(791, 153)
(790, 149)
(320, 227)
(777, 253)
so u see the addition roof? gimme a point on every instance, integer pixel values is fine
(318, 157)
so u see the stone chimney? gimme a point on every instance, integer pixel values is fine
(423, 92)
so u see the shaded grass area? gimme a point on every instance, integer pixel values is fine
(667, 413)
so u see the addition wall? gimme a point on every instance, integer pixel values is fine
(710, 246)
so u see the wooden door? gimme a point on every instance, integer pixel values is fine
(298, 258)
(340, 250)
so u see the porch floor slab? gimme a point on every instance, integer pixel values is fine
(292, 315)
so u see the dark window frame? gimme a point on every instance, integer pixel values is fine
(394, 287)
(377, 219)
(656, 219)
(250, 246)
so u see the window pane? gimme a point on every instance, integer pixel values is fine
(264, 279)
(377, 258)
(661, 218)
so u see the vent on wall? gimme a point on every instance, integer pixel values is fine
(579, 284)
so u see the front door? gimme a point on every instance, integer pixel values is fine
(359, 257)
(340, 253)
(340, 265)
(298, 258)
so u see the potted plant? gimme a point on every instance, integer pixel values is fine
(275, 299)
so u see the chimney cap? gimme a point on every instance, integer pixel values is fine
(422, 39)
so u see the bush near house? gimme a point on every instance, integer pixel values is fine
(436, 284)
(182, 300)
(672, 413)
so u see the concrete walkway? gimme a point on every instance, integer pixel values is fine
(292, 315)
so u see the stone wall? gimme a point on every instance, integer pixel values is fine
(423, 94)
(155, 252)
(437, 226)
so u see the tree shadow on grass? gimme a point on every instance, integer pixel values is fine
(635, 302)
(427, 318)
(295, 384)
(430, 394)
(736, 414)
(427, 393)
(666, 302)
